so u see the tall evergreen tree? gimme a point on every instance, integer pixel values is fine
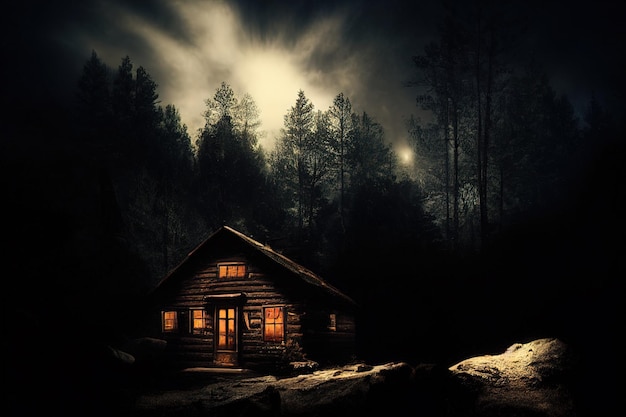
(146, 111)
(369, 158)
(246, 119)
(123, 93)
(231, 168)
(94, 101)
(174, 170)
(340, 113)
(291, 157)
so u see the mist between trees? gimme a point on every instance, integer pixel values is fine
(499, 146)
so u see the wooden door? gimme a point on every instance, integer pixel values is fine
(226, 335)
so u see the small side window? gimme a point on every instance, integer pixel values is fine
(169, 321)
(198, 321)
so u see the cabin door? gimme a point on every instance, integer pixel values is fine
(226, 337)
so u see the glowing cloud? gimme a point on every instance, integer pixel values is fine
(191, 47)
(188, 71)
(406, 155)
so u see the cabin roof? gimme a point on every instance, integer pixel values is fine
(300, 271)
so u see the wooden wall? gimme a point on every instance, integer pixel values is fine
(307, 315)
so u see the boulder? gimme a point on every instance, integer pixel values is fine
(527, 379)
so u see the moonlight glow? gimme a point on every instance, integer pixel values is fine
(277, 80)
(406, 155)
(213, 44)
(272, 70)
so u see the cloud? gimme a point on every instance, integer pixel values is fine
(217, 47)
(269, 50)
(273, 49)
(212, 42)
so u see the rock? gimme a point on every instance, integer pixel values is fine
(121, 356)
(528, 379)
(328, 392)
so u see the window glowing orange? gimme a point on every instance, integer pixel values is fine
(198, 319)
(170, 321)
(226, 328)
(274, 328)
(232, 270)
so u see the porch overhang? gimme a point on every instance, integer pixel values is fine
(233, 297)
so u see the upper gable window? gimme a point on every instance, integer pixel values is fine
(231, 270)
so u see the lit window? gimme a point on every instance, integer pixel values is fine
(231, 270)
(226, 328)
(170, 321)
(198, 321)
(274, 327)
(332, 324)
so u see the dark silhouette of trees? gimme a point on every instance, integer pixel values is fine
(174, 171)
(445, 94)
(231, 182)
(332, 172)
(327, 170)
(337, 173)
(122, 100)
(93, 104)
(147, 112)
(369, 157)
(491, 121)
(331, 194)
(295, 162)
(145, 153)
(340, 113)
(536, 137)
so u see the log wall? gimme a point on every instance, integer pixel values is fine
(307, 332)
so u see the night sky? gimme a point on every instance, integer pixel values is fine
(271, 49)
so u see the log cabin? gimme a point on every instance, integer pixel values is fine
(237, 303)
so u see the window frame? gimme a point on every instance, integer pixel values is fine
(175, 328)
(192, 321)
(283, 310)
(220, 265)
